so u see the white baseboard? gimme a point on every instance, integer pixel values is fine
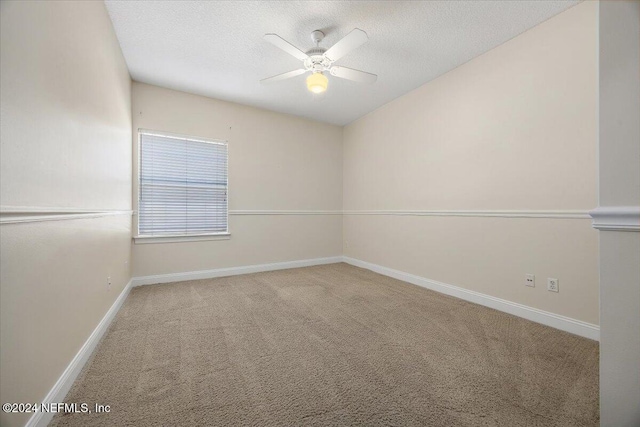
(64, 383)
(231, 271)
(563, 323)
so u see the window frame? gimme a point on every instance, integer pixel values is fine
(143, 239)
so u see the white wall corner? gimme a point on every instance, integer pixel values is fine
(616, 218)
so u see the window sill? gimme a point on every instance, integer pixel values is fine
(143, 240)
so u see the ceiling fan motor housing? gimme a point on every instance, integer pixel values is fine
(317, 62)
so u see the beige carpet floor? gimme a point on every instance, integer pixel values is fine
(330, 345)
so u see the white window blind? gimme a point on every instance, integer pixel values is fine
(183, 186)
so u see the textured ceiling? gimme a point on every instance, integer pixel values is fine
(215, 48)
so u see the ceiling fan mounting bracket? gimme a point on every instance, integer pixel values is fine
(317, 36)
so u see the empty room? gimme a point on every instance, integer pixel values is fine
(320, 213)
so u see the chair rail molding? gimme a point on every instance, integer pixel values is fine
(616, 218)
(256, 212)
(558, 214)
(21, 214)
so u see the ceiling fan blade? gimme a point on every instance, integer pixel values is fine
(283, 76)
(286, 46)
(351, 74)
(355, 38)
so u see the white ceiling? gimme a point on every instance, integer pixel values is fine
(215, 48)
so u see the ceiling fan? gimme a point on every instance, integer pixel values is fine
(319, 60)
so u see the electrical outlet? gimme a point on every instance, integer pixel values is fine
(553, 285)
(530, 280)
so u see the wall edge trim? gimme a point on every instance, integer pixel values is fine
(616, 218)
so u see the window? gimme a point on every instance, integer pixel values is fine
(182, 186)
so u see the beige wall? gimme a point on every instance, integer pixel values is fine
(514, 129)
(65, 143)
(276, 162)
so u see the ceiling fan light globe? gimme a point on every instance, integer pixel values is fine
(317, 83)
